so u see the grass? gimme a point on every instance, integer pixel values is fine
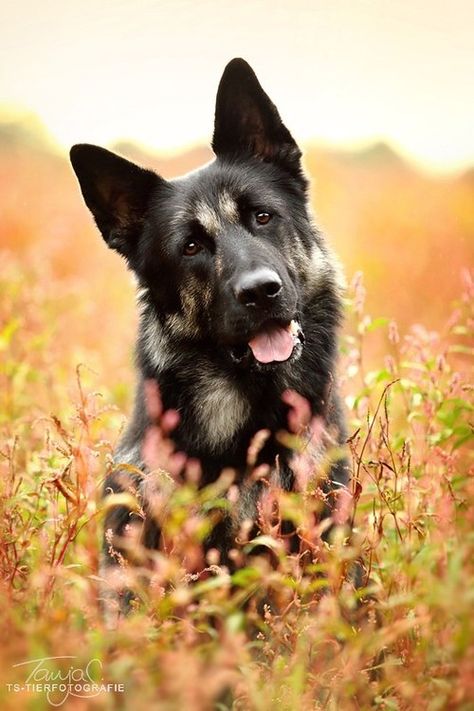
(199, 637)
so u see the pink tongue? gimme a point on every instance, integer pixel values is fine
(276, 344)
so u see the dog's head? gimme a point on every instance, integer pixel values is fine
(224, 254)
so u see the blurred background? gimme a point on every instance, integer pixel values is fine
(379, 94)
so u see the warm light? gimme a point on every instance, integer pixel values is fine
(340, 72)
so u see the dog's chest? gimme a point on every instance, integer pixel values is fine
(220, 410)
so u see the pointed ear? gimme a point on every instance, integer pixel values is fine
(247, 122)
(116, 191)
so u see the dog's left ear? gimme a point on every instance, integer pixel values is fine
(247, 122)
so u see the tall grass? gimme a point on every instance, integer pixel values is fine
(286, 631)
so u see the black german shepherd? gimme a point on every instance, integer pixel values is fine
(238, 292)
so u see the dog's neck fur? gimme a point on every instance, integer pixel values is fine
(194, 380)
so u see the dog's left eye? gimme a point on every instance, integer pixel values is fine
(262, 217)
(191, 248)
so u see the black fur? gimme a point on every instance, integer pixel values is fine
(194, 325)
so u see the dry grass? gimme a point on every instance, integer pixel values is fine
(198, 638)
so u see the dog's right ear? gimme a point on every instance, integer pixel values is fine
(116, 191)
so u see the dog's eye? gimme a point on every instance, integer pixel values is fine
(262, 217)
(191, 248)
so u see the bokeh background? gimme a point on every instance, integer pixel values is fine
(378, 93)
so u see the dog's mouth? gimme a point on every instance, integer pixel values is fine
(274, 342)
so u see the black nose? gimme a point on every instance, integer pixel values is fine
(257, 288)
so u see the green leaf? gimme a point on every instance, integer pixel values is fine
(377, 323)
(245, 576)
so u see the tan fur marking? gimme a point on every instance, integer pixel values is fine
(208, 218)
(219, 264)
(228, 207)
(154, 340)
(220, 409)
(324, 266)
(179, 325)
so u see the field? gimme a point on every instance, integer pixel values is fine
(200, 638)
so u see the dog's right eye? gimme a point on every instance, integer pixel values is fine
(191, 248)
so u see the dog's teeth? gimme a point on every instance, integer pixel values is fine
(295, 330)
(294, 327)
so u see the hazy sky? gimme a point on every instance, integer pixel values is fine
(340, 71)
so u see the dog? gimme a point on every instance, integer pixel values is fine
(239, 297)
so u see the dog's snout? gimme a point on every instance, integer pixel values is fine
(258, 288)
